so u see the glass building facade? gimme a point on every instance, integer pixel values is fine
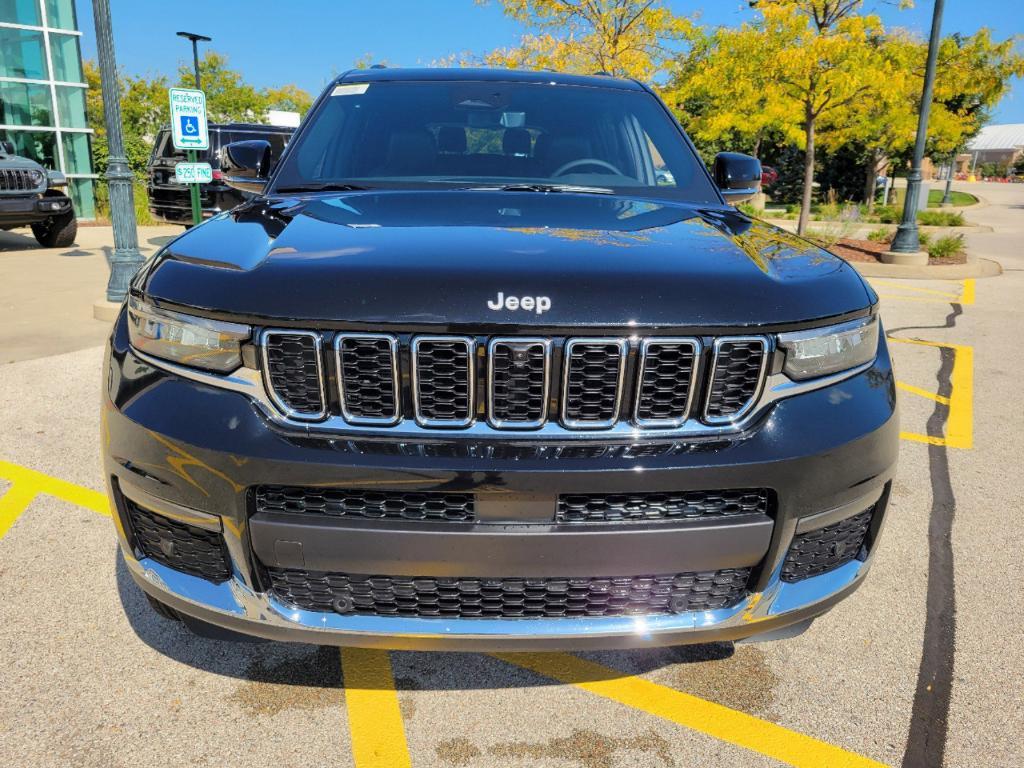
(42, 92)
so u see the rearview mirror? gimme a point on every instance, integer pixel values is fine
(7, 148)
(738, 176)
(245, 165)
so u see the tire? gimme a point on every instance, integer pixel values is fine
(57, 231)
(161, 609)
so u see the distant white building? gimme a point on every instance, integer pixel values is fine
(1002, 144)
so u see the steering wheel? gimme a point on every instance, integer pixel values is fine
(587, 161)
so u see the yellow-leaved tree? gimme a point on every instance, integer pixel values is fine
(793, 70)
(626, 38)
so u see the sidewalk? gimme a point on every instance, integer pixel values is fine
(46, 294)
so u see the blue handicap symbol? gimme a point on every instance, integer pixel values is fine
(189, 125)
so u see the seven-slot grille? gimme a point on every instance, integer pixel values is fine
(519, 381)
(598, 382)
(509, 598)
(18, 180)
(294, 373)
(666, 381)
(737, 373)
(443, 380)
(367, 366)
(592, 389)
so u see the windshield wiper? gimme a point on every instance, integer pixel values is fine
(326, 186)
(536, 187)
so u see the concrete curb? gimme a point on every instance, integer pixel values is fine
(105, 310)
(968, 229)
(976, 268)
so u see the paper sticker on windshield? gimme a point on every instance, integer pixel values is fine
(350, 89)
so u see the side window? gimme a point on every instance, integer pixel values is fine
(662, 175)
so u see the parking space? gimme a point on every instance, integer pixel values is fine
(918, 668)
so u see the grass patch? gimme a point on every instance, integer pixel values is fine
(960, 199)
(881, 235)
(945, 247)
(940, 218)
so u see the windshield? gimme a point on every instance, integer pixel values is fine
(494, 134)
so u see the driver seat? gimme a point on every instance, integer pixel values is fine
(556, 151)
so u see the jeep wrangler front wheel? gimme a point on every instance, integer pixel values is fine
(58, 231)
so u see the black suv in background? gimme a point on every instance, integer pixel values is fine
(490, 361)
(170, 201)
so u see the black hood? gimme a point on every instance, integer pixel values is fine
(439, 257)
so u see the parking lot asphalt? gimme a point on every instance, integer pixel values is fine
(920, 667)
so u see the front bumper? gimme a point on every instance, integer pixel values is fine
(194, 453)
(31, 208)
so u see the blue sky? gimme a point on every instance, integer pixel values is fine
(307, 41)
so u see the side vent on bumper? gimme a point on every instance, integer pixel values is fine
(185, 548)
(825, 549)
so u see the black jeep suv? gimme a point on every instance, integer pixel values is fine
(170, 202)
(491, 362)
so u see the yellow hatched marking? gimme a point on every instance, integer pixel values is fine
(921, 392)
(706, 717)
(12, 504)
(27, 483)
(960, 420)
(374, 719)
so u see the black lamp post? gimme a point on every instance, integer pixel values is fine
(195, 52)
(126, 258)
(907, 240)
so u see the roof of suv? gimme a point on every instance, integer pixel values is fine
(385, 74)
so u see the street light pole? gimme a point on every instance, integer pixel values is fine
(907, 240)
(126, 258)
(947, 197)
(195, 52)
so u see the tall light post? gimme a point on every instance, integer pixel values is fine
(906, 246)
(195, 52)
(194, 194)
(947, 196)
(126, 258)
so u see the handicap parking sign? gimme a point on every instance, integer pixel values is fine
(189, 125)
(188, 119)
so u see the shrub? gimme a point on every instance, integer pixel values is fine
(880, 235)
(887, 214)
(945, 247)
(941, 218)
(748, 209)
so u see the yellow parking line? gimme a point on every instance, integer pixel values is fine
(374, 719)
(715, 720)
(964, 298)
(960, 421)
(27, 483)
(12, 504)
(921, 392)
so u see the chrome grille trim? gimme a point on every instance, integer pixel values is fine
(623, 345)
(519, 341)
(667, 341)
(754, 398)
(283, 406)
(351, 418)
(425, 421)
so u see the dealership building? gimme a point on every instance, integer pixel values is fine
(42, 92)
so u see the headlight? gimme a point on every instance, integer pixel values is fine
(822, 351)
(185, 339)
(37, 178)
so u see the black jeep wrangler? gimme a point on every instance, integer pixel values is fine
(490, 361)
(29, 194)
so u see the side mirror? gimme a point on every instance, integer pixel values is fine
(738, 176)
(245, 165)
(7, 148)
